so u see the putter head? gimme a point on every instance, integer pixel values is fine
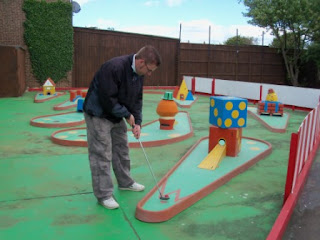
(165, 197)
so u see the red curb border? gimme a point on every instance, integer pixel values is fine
(155, 143)
(57, 106)
(186, 106)
(59, 94)
(183, 203)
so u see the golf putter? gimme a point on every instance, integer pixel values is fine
(166, 197)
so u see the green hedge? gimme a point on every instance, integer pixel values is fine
(49, 37)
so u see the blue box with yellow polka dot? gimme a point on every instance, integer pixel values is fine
(228, 112)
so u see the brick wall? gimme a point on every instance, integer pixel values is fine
(11, 33)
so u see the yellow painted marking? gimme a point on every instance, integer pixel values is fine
(255, 149)
(63, 136)
(79, 139)
(73, 132)
(174, 135)
(251, 142)
(213, 159)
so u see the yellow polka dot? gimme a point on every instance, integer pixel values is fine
(242, 105)
(219, 122)
(212, 102)
(235, 114)
(251, 142)
(73, 132)
(228, 122)
(215, 112)
(241, 122)
(80, 139)
(229, 105)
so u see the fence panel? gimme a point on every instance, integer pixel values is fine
(93, 47)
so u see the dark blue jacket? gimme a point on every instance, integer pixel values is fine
(115, 91)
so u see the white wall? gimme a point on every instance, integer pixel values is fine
(295, 96)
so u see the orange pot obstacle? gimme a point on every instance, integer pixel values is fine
(167, 109)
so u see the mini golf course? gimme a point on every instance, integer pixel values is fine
(47, 193)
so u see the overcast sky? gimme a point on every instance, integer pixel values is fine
(163, 18)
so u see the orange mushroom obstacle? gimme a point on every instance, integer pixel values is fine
(167, 109)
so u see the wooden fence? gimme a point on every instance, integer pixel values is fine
(259, 64)
(93, 47)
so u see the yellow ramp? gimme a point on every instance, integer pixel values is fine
(212, 160)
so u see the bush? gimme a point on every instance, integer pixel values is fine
(49, 37)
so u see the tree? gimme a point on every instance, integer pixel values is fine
(299, 18)
(288, 41)
(239, 40)
(313, 54)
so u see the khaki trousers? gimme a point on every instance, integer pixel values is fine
(107, 143)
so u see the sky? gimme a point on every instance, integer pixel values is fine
(164, 18)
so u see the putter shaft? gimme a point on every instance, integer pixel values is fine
(149, 165)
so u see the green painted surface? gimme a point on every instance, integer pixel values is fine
(46, 188)
(149, 133)
(188, 178)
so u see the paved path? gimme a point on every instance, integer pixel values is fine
(304, 223)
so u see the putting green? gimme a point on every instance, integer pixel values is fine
(273, 123)
(186, 183)
(151, 135)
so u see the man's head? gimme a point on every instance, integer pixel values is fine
(147, 60)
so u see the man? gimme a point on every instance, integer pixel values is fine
(115, 94)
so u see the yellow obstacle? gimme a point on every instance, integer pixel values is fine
(213, 159)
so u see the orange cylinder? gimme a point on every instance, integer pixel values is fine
(79, 92)
(73, 94)
(166, 123)
(84, 93)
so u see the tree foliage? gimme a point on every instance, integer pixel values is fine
(298, 19)
(49, 37)
(240, 40)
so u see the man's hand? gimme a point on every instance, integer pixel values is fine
(136, 130)
(131, 120)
